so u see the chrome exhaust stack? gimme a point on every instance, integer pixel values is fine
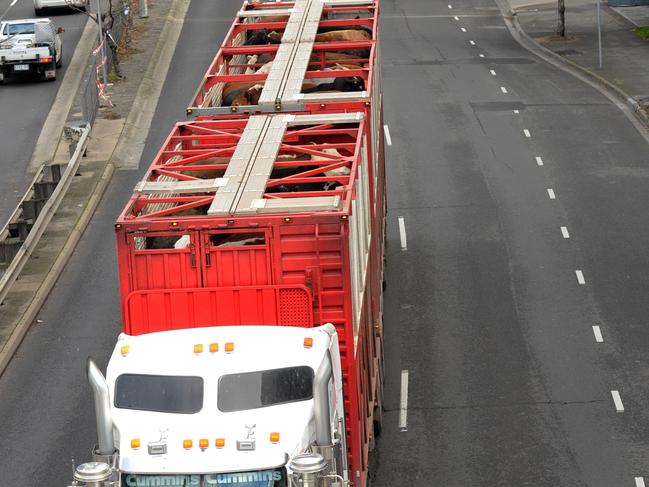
(321, 403)
(100, 472)
(105, 440)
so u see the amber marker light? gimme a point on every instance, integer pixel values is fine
(124, 350)
(274, 437)
(220, 442)
(135, 443)
(308, 342)
(214, 347)
(229, 347)
(203, 443)
(198, 348)
(187, 444)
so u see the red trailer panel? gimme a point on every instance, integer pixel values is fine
(273, 220)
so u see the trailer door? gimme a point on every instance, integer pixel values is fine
(164, 260)
(236, 258)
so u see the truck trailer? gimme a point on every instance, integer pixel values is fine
(251, 259)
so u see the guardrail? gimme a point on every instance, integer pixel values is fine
(23, 230)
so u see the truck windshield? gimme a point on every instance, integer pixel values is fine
(18, 29)
(159, 393)
(259, 478)
(252, 390)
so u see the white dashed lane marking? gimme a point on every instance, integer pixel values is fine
(598, 334)
(527, 133)
(503, 89)
(450, 6)
(516, 112)
(388, 139)
(551, 194)
(481, 55)
(462, 29)
(617, 400)
(539, 161)
(402, 234)
(564, 232)
(639, 482)
(580, 277)
(492, 72)
(472, 43)
(403, 409)
(456, 18)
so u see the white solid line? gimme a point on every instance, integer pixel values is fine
(472, 43)
(492, 72)
(503, 89)
(402, 234)
(527, 133)
(580, 277)
(456, 17)
(516, 112)
(403, 412)
(564, 232)
(481, 55)
(598, 334)
(619, 407)
(539, 161)
(639, 482)
(551, 194)
(388, 139)
(462, 29)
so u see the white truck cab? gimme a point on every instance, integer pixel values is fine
(243, 406)
(30, 46)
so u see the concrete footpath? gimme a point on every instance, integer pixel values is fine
(116, 140)
(625, 61)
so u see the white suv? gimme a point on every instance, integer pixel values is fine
(41, 5)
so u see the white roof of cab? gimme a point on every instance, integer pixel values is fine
(255, 348)
(26, 21)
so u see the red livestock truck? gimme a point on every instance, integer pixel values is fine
(266, 220)
(256, 241)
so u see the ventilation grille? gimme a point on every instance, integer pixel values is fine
(295, 308)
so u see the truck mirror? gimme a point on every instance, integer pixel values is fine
(60, 30)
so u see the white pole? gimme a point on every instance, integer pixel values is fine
(599, 32)
(101, 43)
(144, 9)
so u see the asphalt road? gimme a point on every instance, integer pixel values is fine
(25, 103)
(507, 383)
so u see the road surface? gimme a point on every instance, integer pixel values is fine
(522, 194)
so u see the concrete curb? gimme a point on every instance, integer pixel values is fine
(133, 138)
(602, 84)
(50, 136)
(16, 337)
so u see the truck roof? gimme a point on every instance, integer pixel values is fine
(254, 348)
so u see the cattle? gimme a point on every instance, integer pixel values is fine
(240, 93)
(344, 35)
(262, 37)
(341, 83)
(284, 172)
